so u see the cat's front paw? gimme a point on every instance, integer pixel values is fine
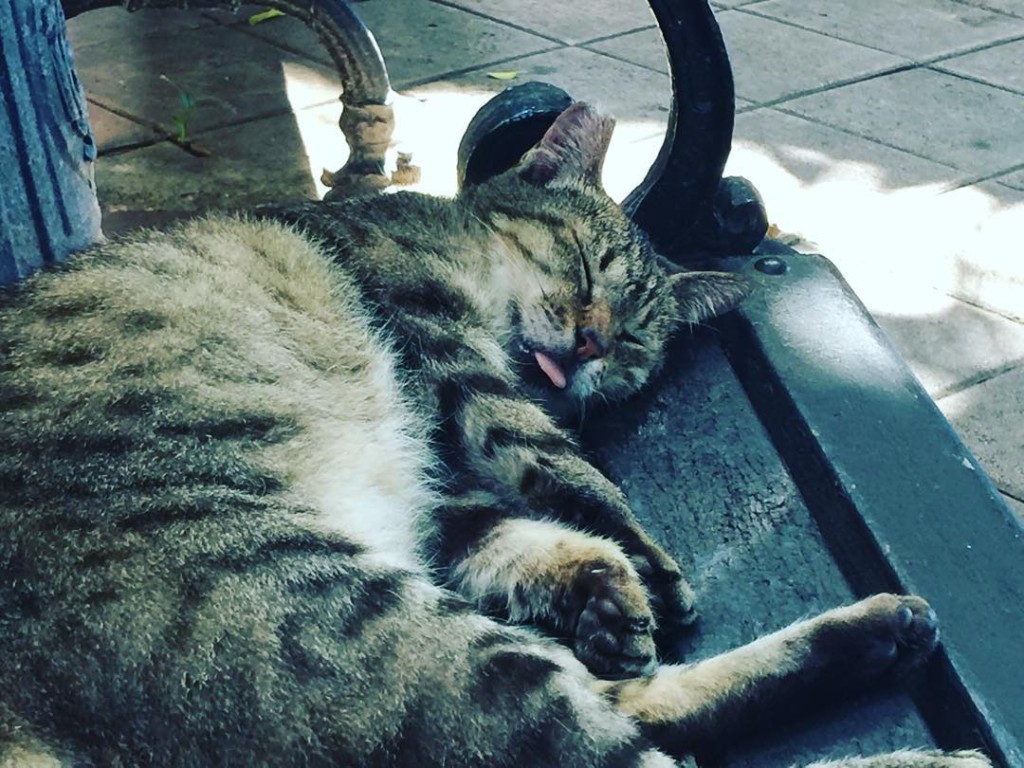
(673, 598)
(615, 630)
(579, 587)
(880, 634)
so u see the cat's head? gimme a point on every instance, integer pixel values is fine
(590, 308)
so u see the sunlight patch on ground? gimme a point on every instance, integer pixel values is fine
(894, 245)
(430, 122)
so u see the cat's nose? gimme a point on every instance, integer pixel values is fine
(589, 344)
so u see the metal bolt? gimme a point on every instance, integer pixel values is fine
(771, 265)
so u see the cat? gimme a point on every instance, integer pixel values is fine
(292, 489)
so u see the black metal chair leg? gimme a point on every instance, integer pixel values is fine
(684, 204)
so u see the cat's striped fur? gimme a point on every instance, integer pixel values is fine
(258, 478)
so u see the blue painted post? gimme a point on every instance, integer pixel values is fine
(48, 206)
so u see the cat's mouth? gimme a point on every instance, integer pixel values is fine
(547, 369)
(551, 368)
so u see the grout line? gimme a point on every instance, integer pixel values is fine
(990, 9)
(972, 49)
(397, 85)
(281, 46)
(614, 57)
(238, 24)
(924, 61)
(994, 176)
(126, 148)
(1011, 495)
(945, 188)
(197, 149)
(604, 38)
(417, 82)
(287, 111)
(162, 131)
(796, 25)
(855, 80)
(983, 308)
(455, 6)
(978, 378)
(974, 79)
(123, 149)
(168, 135)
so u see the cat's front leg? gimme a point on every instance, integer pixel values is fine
(511, 443)
(574, 585)
(844, 649)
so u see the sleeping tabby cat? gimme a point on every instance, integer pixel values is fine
(278, 490)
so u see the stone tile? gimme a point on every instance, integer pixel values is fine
(990, 418)
(625, 90)
(569, 21)
(954, 343)
(933, 114)
(915, 29)
(114, 26)
(1000, 65)
(771, 60)
(114, 132)
(736, 3)
(644, 47)
(163, 180)
(419, 40)
(232, 77)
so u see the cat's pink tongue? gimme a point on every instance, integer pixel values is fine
(551, 369)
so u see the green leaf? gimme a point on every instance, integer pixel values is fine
(507, 74)
(182, 126)
(270, 13)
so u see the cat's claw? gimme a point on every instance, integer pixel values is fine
(615, 630)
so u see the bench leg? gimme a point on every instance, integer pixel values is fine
(48, 206)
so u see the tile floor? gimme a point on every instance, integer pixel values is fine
(887, 134)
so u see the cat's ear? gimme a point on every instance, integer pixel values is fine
(701, 295)
(573, 148)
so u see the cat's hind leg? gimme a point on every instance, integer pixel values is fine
(684, 707)
(575, 585)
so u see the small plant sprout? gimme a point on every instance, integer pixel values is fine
(182, 118)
